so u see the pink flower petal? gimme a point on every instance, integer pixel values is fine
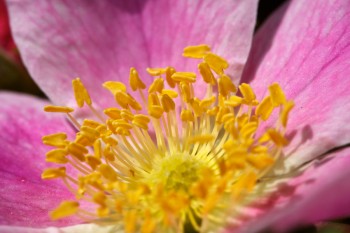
(25, 198)
(101, 40)
(306, 48)
(85, 228)
(11, 229)
(320, 193)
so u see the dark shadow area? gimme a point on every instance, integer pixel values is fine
(265, 9)
(306, 135)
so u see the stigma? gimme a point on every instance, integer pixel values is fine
(162, 158)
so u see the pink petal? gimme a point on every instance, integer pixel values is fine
(320, 193)
(85, 228)
(25, 198)
(11, 229)
(101, 40)
(306, 48)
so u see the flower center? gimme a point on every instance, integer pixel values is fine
(176, 172)
(206, 153)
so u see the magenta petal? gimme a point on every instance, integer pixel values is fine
(306, 48)
(101, 40)
(25, 198)
(12, 229)
(320, 193)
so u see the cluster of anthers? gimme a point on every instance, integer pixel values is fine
(179, 163)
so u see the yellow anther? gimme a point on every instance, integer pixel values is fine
(57, 156)
(81, 94)
(122, 123)
(260, 161)
(135, 81)
(134, 104)
(97, 149)
(206, 73)
(184, 77)
(222, 111)
(277, 95)
(185, 91)
(226, 86)
(169, 72)
(277, 137)
(114, 86)
(141, 121)
(125, 100)
(242, 120)
(122, 99)
(63, 109)
(234, 101)
(197, 109)
(245, 184)
(89, 132)
(233, 149)
(113, 113)
(57, 139)
(110, 140)
(53, 173)
(65, 209)
(248, 93)
(196, 51)
(155, 111)
(108, 153)
(287, 107)
(248, 130)
(102, 129)
(265, 108)
(206, 103)
(99, 198)
(170, 93)
(108, 172)
(91, 123)
(216, 63)
(93, 161)
(228, 117)
(153, 99)
(83, 139)
(126, 115)
(259, 149)
(167, 103)
(213, 111)
(155, 71)
(156, 86)
(205, 138)
(186, 115)
(77, 150)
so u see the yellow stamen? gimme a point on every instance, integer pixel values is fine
(137, 164)
(114, 87)
(80, 93)
(66, 209)
(135, 81)
(217, 63)
(197, 51)
(51, 108)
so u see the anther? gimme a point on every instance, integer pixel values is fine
(81, 94)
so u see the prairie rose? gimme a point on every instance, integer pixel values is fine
(307, 54)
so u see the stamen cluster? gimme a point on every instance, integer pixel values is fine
(174, 159)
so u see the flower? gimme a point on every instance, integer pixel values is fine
(307, 58)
